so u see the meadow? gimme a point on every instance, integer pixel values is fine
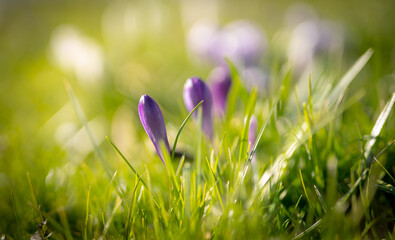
(197, 120)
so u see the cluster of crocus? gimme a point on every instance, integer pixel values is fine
(241, 41)
(195, 91)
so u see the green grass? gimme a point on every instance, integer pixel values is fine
(322, 166)
(322, 179)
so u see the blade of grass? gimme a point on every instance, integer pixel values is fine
(310, 97)
(131, 207)
(215, 183)
(16, 217)
(311, 228)
(109, 220)
(377, 128)
(253, 150)
(375, 170)
(130, 166)
(34, 197)
(384, 169)
(296, 140)
(87, 215)
(108, 191)
(81, 116)
(338, 91)
(154, 212)
(386, 187)
(65, 223)
(244, 137)
(199, 143)
(304, 188)
(181, 127)
(298, 104)
(170, 169)
(180, 164)
(320, 198)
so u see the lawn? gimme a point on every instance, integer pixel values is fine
(197, 120)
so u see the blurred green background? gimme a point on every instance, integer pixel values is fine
(124, 49)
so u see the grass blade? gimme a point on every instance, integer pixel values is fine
(34, 197)
(87, 215)
(16, 217)
(348, 77)
(81, 116)
(253, 150)
(181, 127)
(114, 210)
(377, 128)
(130, 166)
(244, 137)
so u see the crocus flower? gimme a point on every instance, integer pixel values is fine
(241, 41)
(311, 38)
(195, 90)
(220, 85)
(152, 120)
(199, 41)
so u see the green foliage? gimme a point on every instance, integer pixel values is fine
(322, 165)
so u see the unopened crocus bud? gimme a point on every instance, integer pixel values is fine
(152, 120)
(195, 90)
(220, 85)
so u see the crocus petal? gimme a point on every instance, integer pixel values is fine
(195, 90)
(152, 120)
(220, 85)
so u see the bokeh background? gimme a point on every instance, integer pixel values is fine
(112, 52)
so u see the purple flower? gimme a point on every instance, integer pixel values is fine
(152, 120)
(313, 38)
(195, 90)
(241, 41)
(252, 131)
(220, 85)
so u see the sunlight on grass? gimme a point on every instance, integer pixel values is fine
(197, 120)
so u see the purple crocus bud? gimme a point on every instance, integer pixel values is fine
(152, 120)
(220, 85)
(195, 90)
(252, 131)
